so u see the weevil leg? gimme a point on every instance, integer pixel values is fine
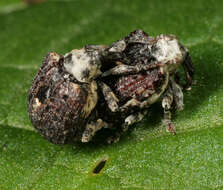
(123, 69)
(110, 97)
(133, 118)
(188, 69)
(114, 138)
(132, 103)
(177, 77)
(92, 128)
(119, 70)
(167, 104)
(177, 95)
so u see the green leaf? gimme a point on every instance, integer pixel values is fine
(9, 2)
(146, 157)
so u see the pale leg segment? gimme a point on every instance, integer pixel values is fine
(133, 118)
(166, 104)
(172, 95)
(92, 128)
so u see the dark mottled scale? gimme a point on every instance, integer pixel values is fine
(113, 118)
(136, 50)
(139, 86)
(55, 102)
(137, 53)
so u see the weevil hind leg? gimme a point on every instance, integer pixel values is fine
(134, 103)
(92, 128)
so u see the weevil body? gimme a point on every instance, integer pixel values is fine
(58, 104)
(145, 70)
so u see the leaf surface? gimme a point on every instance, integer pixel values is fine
(146, 157)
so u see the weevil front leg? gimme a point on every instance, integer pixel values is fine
(177, 95)
(134, 103)
(174, 95)
(167, 105)
(188, 68)
(110, 97)
(92, 128)
(189, 71)
(120, 69)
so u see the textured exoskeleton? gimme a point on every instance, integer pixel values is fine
(59, 105)
(95, 87)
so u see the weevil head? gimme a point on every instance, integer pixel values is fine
(167, 52)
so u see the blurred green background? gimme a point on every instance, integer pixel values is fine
(146, 157)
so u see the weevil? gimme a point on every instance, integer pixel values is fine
(75, 95)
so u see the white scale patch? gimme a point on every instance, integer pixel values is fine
(36, 104)
(78, 64)
(119, 46)
(168, 49)
(81, 63)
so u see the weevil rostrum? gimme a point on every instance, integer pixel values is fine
(75, 95)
